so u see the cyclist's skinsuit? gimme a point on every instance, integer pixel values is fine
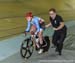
(36, 22)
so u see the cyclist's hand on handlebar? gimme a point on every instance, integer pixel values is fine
(25, 33)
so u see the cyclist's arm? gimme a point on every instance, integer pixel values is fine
(28, 27)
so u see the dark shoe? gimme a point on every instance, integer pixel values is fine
(60, 53)
(53, 46)
(56, 50)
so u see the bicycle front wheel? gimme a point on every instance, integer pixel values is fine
(26, 48)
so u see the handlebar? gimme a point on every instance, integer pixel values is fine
(31, 33)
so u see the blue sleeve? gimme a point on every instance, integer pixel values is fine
(28, 27)
(37, 25)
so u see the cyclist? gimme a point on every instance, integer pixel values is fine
(35, 24)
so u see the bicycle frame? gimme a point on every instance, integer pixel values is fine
(30, 45)
(33, 40)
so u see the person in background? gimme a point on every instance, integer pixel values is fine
(60, 30)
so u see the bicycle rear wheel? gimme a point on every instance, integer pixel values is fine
(26, 48)
(47, 43)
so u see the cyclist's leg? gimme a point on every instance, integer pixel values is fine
(33, 30)
(40, 35)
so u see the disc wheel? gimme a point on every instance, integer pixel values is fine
(26, 48)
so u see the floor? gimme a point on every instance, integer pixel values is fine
(9, 51)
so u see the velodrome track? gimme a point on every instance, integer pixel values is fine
(9, 50)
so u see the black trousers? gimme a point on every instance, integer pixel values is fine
(58, 38)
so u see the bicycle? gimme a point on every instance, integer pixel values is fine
(27, 46)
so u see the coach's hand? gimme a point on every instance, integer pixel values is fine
(55, 29)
